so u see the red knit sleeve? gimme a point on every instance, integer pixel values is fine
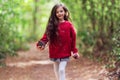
(43, 40)
(73, 37)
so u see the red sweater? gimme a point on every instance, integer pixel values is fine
(67, 43)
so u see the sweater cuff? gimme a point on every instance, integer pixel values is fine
(75, 51)
(40, 43)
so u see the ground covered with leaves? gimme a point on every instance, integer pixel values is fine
(35, 65)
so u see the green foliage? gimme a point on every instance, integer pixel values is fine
(116, 43)
(21, 21)
(11, 34)
(7, 30)
(96, 22)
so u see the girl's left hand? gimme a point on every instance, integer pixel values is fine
(76, 56)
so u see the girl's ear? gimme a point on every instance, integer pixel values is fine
(66, 13)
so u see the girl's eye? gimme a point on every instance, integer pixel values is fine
(61, 11)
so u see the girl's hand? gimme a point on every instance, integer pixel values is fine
(40, 45)
(76, 56)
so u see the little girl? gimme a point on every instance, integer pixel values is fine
(61, 38)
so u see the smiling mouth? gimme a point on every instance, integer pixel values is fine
(60, 16)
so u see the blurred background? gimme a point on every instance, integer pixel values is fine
(97, 23)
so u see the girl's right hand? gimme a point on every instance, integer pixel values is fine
(40, 47)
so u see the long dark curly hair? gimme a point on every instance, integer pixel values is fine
(52, 25)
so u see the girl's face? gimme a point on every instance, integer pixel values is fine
(60, 13)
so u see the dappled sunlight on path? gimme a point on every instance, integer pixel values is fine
(29, 63)
(35, 65)
(84, 69)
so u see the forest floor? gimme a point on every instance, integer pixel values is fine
(35, 65)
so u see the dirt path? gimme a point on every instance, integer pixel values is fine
(35, 65)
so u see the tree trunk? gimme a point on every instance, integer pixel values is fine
(35, 17)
